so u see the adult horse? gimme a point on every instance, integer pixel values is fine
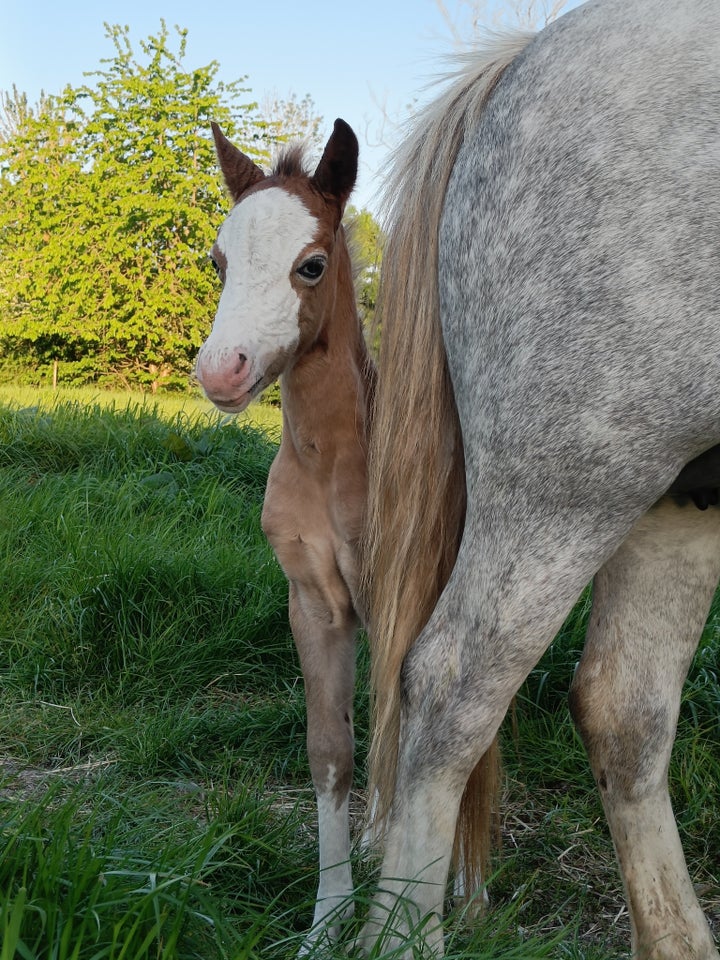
(549, 368)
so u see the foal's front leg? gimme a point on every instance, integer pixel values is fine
(650, 602)
(325, 639)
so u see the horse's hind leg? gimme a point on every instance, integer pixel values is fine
(650, 603)
(325, 639)
(513, 585)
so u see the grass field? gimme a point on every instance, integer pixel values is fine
(192, 405)
(155, 799)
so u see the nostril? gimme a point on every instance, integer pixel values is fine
(242, 358)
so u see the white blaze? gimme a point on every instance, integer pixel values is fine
(258, 310)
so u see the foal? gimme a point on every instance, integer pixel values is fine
(288, 307)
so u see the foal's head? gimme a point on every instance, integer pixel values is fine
(275, 254)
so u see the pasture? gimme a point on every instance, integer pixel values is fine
(155, 799)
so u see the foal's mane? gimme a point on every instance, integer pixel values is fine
(291, 162)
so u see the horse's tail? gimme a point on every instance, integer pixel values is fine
(416, 506)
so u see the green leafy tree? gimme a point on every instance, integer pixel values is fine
(41, 168)
(15, 111)
(109, 201)
(366, 241)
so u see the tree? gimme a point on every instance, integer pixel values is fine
(15, 111)
(293, 119)
(109, 202)
(366, 244)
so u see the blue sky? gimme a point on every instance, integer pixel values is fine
(354, 59)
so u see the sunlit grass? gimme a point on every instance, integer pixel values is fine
(155, 798)
(192, 404)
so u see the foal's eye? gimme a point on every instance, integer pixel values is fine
(215, 264)
(311, 270)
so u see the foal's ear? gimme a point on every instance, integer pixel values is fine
(239, 171)
(337, 171)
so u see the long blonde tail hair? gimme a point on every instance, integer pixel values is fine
(416, 506)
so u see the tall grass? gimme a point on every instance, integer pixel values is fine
(154, 793)
(191, 404)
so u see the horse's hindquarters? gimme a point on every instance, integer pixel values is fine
(577, 280)
(578, 267)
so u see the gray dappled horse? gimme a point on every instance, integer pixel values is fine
(561, 338)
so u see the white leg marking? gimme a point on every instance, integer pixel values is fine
(334, 897)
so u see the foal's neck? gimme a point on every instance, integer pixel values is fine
(327, 390)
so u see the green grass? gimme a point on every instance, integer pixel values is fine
(191, 404)
(154, 792)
